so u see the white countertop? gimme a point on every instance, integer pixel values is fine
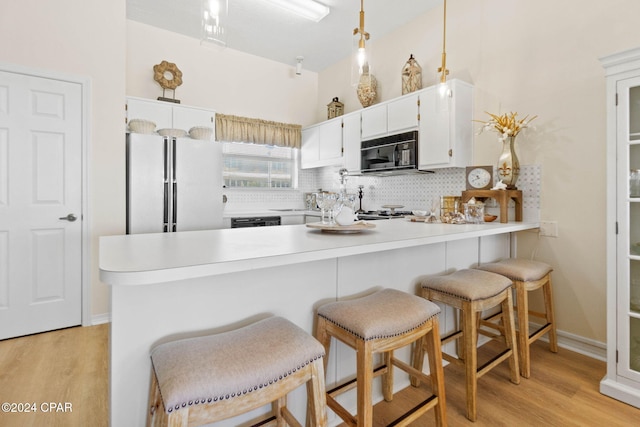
(163, 257)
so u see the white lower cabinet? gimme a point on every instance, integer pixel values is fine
(292, 219)
(622, 381)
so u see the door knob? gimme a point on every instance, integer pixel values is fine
(71, 217)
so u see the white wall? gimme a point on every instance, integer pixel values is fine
(84, 38)
(225, 80)
(538, 58)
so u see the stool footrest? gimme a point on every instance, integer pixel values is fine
(415, 412)
(351, 384)
(494, 362)
(410, 369)
(452, 336)
(537, 334)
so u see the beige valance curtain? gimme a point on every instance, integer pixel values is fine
(243, 129)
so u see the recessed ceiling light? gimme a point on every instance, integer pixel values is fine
(309, 9)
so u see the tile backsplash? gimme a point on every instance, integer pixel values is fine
(415, 191)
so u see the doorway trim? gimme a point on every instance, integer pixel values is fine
(85, 84)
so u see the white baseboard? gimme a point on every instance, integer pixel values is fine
(588, 347)
(98, 319)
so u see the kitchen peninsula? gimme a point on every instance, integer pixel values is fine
(170, 286)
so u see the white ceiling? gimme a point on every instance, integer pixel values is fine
(258, 28)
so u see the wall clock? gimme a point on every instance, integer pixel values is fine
(479, 177)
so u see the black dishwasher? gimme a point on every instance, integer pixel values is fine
(257, 221)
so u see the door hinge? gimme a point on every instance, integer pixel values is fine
(616, 227)
(616, 99)
(450, 153)
(616, 356)
(418, 102)
(418, 117)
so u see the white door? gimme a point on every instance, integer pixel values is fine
(40, 204)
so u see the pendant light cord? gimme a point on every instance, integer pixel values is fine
(443, 69)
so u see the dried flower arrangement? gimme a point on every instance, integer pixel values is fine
(506, 124)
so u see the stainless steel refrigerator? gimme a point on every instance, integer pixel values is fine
(173, 184)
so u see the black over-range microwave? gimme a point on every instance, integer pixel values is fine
(390, 155)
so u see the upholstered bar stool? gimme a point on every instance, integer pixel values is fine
(471, 292)
(529, 276)
(206, 379)
(381, 323)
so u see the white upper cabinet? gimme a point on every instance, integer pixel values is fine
(322, 144)
(374, 121)
(443, 119)
(398, 115)
(166, 115)
(351, 142)
(188, 117)
(310, 149)
(446, 132)
(146, 109)
(331, 141)
(402, 113)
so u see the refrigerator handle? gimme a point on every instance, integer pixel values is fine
(165, 227)
(174, 221)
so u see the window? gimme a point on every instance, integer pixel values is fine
(259, 166)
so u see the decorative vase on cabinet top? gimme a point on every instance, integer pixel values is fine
(508, 164)
(367, 88)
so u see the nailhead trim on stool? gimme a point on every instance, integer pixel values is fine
(471, 292)
(527, 276)
(219, 369)
(381, 323)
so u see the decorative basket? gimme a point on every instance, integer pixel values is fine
(141, 126)
(175, 133)
(202, 133)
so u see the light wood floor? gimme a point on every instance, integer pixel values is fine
(64, 366)
(71, 366)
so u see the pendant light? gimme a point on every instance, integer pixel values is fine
(443, 68)
(444, 91)
(361, 55)
(214, 22)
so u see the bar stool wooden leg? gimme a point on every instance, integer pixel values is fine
(522, 310)
(434, 349)
(387, 377)
(510, 336)
(365, 377)
(551, 317)
(470, 338)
